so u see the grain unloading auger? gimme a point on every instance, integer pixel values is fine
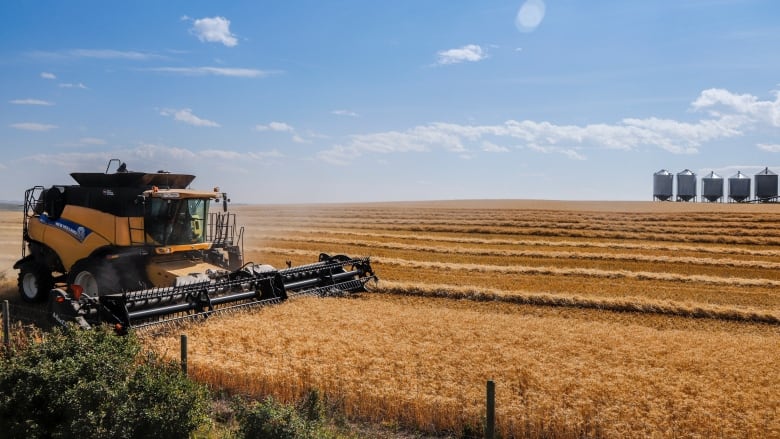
(137, 249)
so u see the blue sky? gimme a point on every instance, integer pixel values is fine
(310, 101)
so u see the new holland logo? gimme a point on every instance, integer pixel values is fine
(76, 230)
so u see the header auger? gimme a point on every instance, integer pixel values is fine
(135, 249)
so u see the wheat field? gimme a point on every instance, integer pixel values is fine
(593, 319)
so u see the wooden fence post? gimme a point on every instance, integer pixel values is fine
(6, 324)
(490, 412)
(184, 353)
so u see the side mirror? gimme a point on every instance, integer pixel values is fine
(224, 201)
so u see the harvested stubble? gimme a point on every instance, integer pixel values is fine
(424, 362)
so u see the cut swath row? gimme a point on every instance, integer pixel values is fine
(624, 304)
(607, 256)
(279, 233)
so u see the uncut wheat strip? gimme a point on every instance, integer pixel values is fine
(530, 242)
(542, 254)
(392, 350)
(626, 304)
(544, 270)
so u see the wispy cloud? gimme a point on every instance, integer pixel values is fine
(492, 147)
(569, 153)
(730, 115)
(236, 155)
(344, 113)
(31, 102)
(112, 54)
(84, 142)
(185, 115)
(215, 71)
(47, 75)
(71, 85)
(275, 126)
(33, 126)
(281, 127)
(129, 55)
(769, 147)
(91, 141)
(470, 53)
(213, 30)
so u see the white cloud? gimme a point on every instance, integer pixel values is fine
(470, 52)
(769, 147)
(47, 75)
(745, 112)
(69, 85)
(31, 102)
(344, 113)
(492, 147)
(214, 30)
(111, 54)
(129, 55)
(185, 115)
(275, 126)
(215, 71)
(570, 153)
(236, 155)
(91, 141)
(744, 104)
(530, 15)
(33, 126)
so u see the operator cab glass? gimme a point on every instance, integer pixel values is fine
(176, 221)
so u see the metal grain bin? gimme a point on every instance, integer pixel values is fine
(712, 187)
(663, 181)
(739, 187)
(766, 185)
(686, 186)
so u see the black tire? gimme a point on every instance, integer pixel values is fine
(96, 276)
(35, 282)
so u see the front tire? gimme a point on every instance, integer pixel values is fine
(35, 282)
(97, 277)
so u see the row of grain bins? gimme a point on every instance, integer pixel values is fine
(713, 187)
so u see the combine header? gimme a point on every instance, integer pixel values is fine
(136, 249)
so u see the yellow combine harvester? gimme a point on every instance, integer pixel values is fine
(135, 249)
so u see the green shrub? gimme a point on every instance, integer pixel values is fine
(94, 384)
(270, 419)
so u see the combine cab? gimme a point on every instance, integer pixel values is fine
(135, 249)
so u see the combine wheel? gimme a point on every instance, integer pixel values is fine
(35, 282)
(96, 276)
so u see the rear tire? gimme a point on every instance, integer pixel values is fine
(35, 282)
(97, 277)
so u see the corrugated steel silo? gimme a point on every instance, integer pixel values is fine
(766, 185)
(739, 187)
(663, 181)
(686, 185)
(712, 187)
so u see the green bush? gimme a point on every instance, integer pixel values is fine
(94, 384)
(270, 419)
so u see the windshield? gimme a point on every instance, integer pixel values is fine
(176, 221)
